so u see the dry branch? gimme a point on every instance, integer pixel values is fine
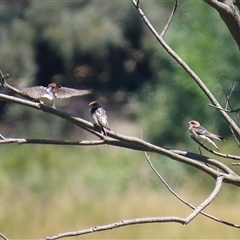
(185, 66)
(129, 222)
(116, 139)
(184, 201)
(223, 173)
(229, 15)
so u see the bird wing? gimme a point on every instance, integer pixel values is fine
(101, 117)
(200, 131)
(36, 92)
(65, 92)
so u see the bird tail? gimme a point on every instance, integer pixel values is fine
(217, 137)
(214, 144)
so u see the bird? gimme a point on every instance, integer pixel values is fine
(52, 91)
(99, 115)
(200, 133)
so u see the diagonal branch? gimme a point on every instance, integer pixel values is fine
(225, 110)
(170, 18)
(184, 65)
(182, 200)
(11, 88)
(3, 237)
(203, 205)
(124, 141)
(228, 156)
(229, 97)
(235, 137)
(229, 15)
(135, 143)
(135, 221)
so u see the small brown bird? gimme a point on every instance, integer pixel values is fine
(99, 116)
(53, 91)
(200, 133)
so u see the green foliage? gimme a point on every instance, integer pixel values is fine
(61, 188)
(17, 53)
(62, 184)
(109, 38)
(166, 106)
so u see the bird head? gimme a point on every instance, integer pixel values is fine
(54, 85)
(94, 104)
(194, 123)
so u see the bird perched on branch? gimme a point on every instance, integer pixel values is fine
(99, 116)
(53, 91)
(200, 133)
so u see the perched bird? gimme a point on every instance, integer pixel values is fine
(200, 133)
(52, 91)
(99, 116)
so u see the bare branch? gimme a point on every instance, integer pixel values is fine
(138, 2)
(208, 200)
(235, 137)
(205, 160)
(139, 145)
(51, 142)
(182, 200)
(135, 143)
(194, 76)
(122, 223)
(170, 18)
(129, 222)
(229, 96)
(229, 15)
(225, 110)
(228, 156)
(46, 108)
(11, 88)
(235, 164)
(3, 237)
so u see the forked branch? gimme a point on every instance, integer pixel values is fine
(135, 221)
(229, 15)
(184, 201)
(116, 139)
(185, 66)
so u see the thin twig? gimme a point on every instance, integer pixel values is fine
(227, 156)
(236, 164)
(235, 137)
(170, 18)
(129, 222)
(229, 96)
(11, 88)
(182, 200)
(138, 2)
(208, 200)
(49, 109)
(200, 151)
(134, 142)
(3, 237)
(185, 66)
(224, 110)
(51, 142)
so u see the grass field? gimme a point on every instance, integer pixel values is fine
(47, 190)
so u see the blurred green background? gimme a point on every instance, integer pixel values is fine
(105, 46)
